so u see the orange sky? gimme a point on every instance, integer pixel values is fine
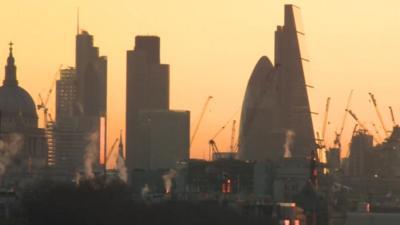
(212, 47)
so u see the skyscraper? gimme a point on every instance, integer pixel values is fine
(81, 103)
(147, 88)
(276, 117)
(91, 73)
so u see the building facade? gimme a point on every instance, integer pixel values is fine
(164, 138)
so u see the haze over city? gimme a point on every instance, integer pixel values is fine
(211, 48)
(199, 112)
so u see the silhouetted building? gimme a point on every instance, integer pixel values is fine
(164, 138)
(147, 88)
(71, 140)
(360, 147)
(23, 142)
(276, 117)
(66, 93)
(91, 73)
(333, 159)
(81, 105)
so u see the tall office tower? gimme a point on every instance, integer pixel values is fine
(81, 101)
(276, 116)
(66, 93)
(91, 73)
(147, 88)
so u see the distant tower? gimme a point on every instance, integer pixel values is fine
(276, 100)
(147, 88)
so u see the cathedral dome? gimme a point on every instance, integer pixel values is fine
(14, 100)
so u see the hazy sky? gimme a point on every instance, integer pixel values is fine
(212, 47)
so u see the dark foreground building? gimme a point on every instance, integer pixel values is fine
(276, 117)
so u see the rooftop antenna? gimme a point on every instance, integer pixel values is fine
(77, 21)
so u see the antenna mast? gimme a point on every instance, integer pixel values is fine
(77, 21)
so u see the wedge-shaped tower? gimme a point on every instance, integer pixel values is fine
(276, 116)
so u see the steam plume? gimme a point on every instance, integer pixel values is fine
(122, 172)
(168, 180)
(77, 178)
(90, 154)
(288, 143)
(9, 147)
(145, 191)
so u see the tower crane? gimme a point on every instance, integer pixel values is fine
(44, 102)
(233, 136)
(110, 151)
(203, 111)
(338, 135)
(378, 113)
(352, 134)
(213, 146)
(325, 123)
(377, 132)
(361, 124)
(392, 116)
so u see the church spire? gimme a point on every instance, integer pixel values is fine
(11, 69)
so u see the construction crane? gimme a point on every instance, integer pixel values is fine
(325, 123)
(203, 111)
(213, 147)
(361, 124)
(378, 113)
(232, 147)
(352, 135)
(338, 135)
(110, 151)
(377, 132)
(392, 116)
(44, 102)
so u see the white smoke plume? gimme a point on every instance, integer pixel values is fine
(122, 171)
(77, 178)
(9, 147)
(91, 155)
(145, 191)
(168, 180)
(288, 143)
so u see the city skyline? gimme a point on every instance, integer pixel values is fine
(333, 74)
